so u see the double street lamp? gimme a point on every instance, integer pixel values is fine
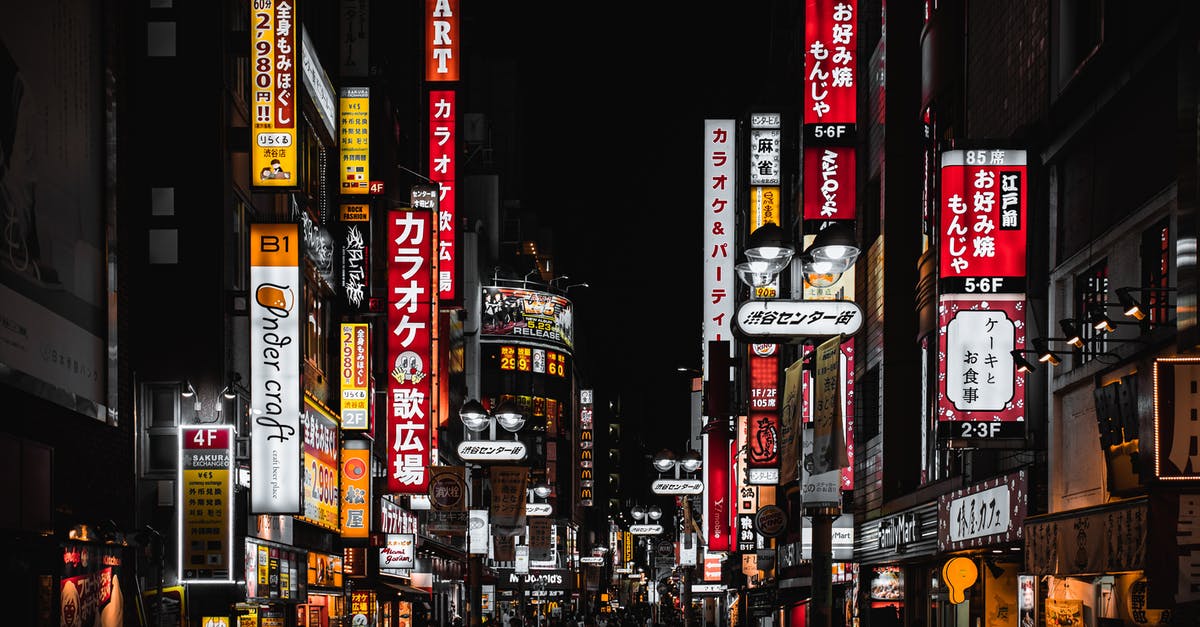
(690, 462)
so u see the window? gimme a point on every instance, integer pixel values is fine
(160, 438)
(1080, 31)
(315, 347)
(1091, 297)
(1156, 271)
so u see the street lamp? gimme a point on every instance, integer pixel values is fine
(768, 253)
(476, 418)
(690, 462)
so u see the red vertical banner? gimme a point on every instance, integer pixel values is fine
(830, 66)
(442, 139)
(410, 347)
(829, 179)
(983, 225)
(762, 441)
(441, 40)
(716, 472)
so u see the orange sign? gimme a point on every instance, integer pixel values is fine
(441, 40)
(356, 492)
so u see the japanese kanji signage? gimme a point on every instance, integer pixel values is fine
(355, 143)
(1176, 430)
(483, 451)
(441, 40)
(983, 223)
(987, 513)
(765, 152)
(355, 368)
(829, 180)
(206, 503)
(829, 450)
(762, 442)
(275, 392)
(980, 393)
(720, 209)
(275, 59)
(356, 258)
(411, 303)
(795, 320)
(320, 465)
(830, 43)
(508, 495)
(442, 142)
(356, 490)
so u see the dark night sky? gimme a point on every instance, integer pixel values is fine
(622, 113)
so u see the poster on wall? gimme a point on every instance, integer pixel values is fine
(91, 591)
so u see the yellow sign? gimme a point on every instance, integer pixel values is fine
(214, 621)
(355, 213)
(274, 26)
(355, 125)
(356, 370)
(205, 492)
(765, 203)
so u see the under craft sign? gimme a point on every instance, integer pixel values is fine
(790, 320)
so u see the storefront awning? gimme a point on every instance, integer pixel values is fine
(414, 594)
(1103, 539)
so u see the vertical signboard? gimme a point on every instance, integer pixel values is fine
(716, 488)
(274, 61)
(205, 503)
(829, 180)
(762, 442)
(765, 153)
(443, 111)
(320, 465)
(720, 207)
(983, 224)
(980, 393)
(981, 284)
(356, 257)
(586, 451)
(355, 495)
(790, 424)
(410, 347)
(448, 500)
(441, 40)
(355, 372)
(355, 139)
(275, 391)
(830, 66)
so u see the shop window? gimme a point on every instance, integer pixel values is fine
(1091, 295)
(1156, 271)
(315, 344)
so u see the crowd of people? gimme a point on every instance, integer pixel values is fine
(640, 616)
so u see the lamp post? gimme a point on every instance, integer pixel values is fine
(832, 252)
(690, 462)
(649, 516)
(476, 418)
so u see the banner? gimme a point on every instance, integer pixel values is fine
(275, 387)
(478, 532)
(443, 153)
(829, 443)
(508, 496)
(539, 538)
(320, 465)
(206, 503)
(90, 588)
(274, 109)
(448, 500)
(790, 423)
(830, 66)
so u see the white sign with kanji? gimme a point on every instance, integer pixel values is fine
(979, 366)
